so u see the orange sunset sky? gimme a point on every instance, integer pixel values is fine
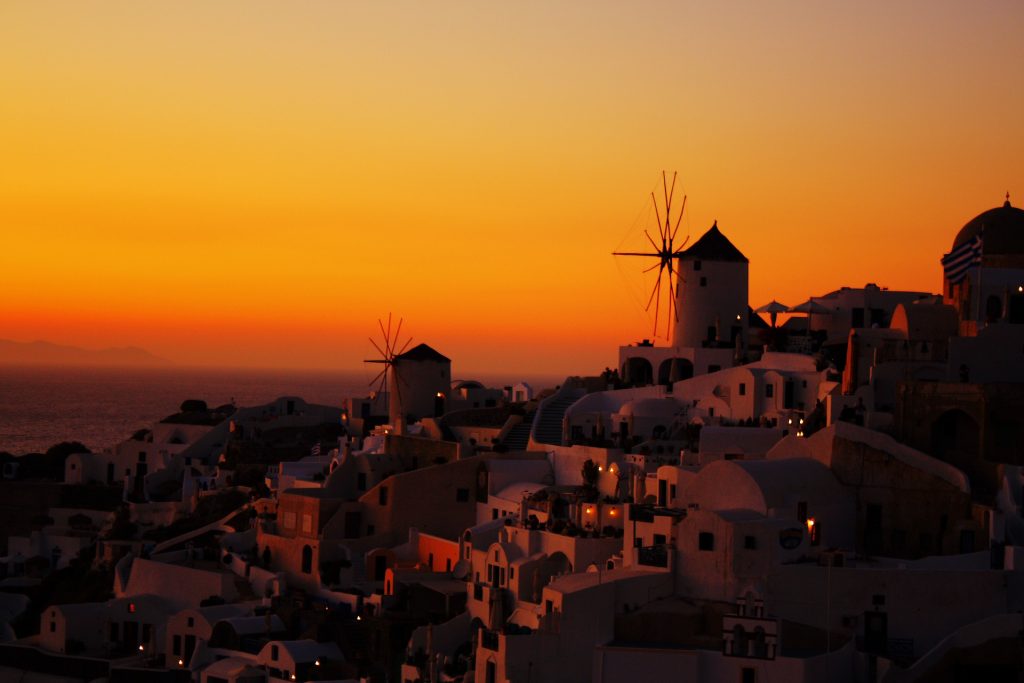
(254, 183)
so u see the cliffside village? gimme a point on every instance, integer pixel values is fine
(836, 498)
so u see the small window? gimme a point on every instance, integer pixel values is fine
(176, 645)
(769, 390)
(382, 495)
(711, 411)
(659, 539)
(191, 622)
(672, 491)
(142, 457)
(53, 627)
(370, 530)
(714, 368)
(696, 265)
(361, 481)
(750, 542)
(703, 282)
(748, 675)
(461, 495)
(273, 652)
(511, 573)
(494, 513)
(743, 389)
(495, 555)
(706, 541)
(478, 591)
(804, 384)
(549, 607)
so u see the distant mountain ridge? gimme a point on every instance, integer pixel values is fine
(47, 353)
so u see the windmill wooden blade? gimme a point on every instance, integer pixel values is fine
(680, 220)
(654, 290)
(378, 350)
(651, 240)
(398, 333)
(658, 216)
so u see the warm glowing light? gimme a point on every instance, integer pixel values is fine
(440, 395)
(801, 420)
(810, 523)
(613, 512)
(600, 468)
(181, 662)
(589, 510)
(359, 617)
(317, 662)
(141, 648)
(790, 420)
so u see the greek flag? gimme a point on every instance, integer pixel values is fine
(315, 450)
(956, 263)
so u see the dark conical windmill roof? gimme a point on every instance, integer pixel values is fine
(423, 352)
(714, 246)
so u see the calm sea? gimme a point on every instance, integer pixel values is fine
(102, 406)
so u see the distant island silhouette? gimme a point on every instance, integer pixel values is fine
(47, 353)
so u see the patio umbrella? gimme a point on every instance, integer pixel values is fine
(773, 308)
(809, 308)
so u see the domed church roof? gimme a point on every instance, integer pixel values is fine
(1003, 229)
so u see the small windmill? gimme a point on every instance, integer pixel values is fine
(666, 252)
(388, 350)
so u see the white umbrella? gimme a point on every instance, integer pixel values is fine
(773, 308)
(809, 308)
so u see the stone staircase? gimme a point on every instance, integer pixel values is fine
(547, 425)
(518, 438)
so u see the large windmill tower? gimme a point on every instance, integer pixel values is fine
(702, 293)
(417, 380)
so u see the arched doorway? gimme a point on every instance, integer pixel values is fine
(955, 439)
(674, 370)
(638, 372)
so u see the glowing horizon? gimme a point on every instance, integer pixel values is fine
(247, 184)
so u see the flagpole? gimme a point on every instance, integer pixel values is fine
(980, 269)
